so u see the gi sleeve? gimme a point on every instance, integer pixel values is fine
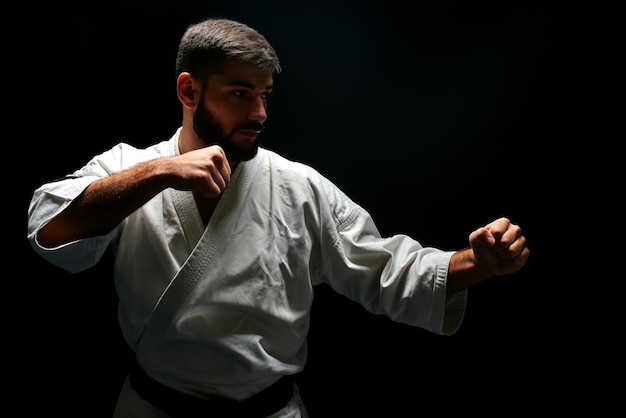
(395, 276)
(52, 198)
(48, 201)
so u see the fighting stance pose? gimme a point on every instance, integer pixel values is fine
(219, 244)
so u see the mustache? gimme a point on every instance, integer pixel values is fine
(255, 126)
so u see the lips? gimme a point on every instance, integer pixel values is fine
(249, 133)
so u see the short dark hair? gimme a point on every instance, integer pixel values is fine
(206, 44)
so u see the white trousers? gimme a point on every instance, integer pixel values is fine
(131, 405)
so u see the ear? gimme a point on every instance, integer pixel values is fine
(188, 90)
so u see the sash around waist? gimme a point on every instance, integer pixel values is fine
(182, 405)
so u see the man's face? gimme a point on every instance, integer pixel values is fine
(231, 110)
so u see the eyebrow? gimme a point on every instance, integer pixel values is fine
(248, 85)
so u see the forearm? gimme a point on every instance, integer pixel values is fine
(104, 204)
(464, 272)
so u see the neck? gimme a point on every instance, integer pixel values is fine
(188, 141)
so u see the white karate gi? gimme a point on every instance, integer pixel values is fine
(224, 310)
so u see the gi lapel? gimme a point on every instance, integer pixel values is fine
(217, 230)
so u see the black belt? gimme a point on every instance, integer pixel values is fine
(182, 405)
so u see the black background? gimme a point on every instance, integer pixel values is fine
(436, 116)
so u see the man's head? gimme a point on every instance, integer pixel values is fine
(224, 70)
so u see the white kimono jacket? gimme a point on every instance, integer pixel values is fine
(225, 309)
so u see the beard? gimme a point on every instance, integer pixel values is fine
(211, 133)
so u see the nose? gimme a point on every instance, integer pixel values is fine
(258, 111)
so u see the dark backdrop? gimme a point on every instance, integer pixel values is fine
(437, 117)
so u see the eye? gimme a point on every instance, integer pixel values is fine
(245, 94)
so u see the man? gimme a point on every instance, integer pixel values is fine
(219, 244)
